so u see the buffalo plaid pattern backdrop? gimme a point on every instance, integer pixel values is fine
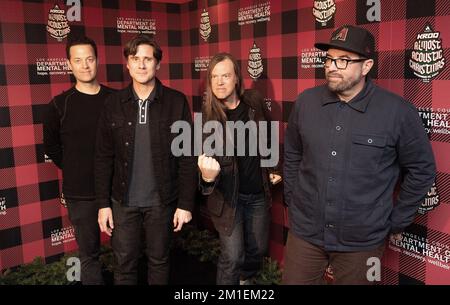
(274, 43)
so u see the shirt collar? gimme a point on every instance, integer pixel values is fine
(150, 98)
(359, 102)
(129, 94)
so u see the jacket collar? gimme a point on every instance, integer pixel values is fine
(359, 102)
(128, 96)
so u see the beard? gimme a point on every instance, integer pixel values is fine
(342, 85)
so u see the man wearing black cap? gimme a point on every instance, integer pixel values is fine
(345, 146)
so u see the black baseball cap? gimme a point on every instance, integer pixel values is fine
(350, 38)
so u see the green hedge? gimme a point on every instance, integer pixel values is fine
(203, 244)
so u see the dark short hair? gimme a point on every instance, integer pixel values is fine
(132, 45)
(79, 40)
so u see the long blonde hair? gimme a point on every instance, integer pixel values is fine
(213, 109)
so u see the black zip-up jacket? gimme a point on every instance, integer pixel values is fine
(69, 129)
(176, 176)
(223, 192)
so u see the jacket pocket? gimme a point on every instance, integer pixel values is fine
(215, 203)
(361, 214)
(117, 122)
(363, 222)
(307, 208)
(361, 235)
(116, 126)
(366, 151)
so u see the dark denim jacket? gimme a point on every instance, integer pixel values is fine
(176, 176)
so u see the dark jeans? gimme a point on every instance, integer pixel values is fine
(83, 215)
(156, 225)
(242, 252)
(305, 264)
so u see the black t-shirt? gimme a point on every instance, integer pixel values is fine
(70, 128)
(250, 179)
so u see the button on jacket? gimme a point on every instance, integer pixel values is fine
(342, 163)
(176, 176)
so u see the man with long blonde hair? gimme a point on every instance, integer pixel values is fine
(238, 187)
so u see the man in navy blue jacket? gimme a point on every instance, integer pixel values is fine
(346, 144)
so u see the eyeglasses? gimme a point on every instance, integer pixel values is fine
(341, 63)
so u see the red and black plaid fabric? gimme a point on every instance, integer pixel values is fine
(29, 186)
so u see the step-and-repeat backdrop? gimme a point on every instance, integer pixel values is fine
(274, 42)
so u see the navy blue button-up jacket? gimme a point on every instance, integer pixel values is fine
(343, 161)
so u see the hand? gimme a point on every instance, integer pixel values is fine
(274, 178)
(179, 218)
(395, 237)
(209, 168)
(105, 220)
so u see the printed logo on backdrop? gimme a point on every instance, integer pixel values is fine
(427, 58)
(324, 10)
(58, 20)
(312, 58)
(57, 24)
(254, 13)
(2, 205)
(431, 200)
(201, 63)
(205, 25)
(423, 250)
(62, 235)
(435, 120)
(255, 66)
(52, 66)
(136, 25)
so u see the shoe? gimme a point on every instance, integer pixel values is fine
(249, 281)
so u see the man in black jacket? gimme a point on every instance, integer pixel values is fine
(70, 126)
(346, 144)
(136, 171)
(238, 181)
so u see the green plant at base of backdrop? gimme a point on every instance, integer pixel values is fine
(203, 244)
(37, 273)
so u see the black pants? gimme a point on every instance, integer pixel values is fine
(156, 225)
(84, 215)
